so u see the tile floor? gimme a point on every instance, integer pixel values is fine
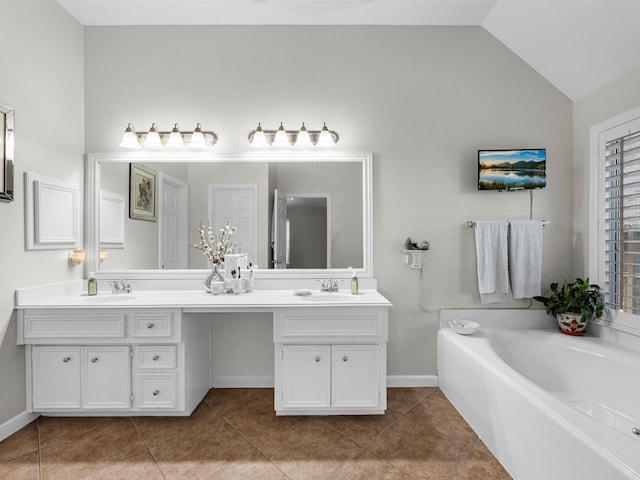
(234, 434)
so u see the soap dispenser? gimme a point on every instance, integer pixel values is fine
(354, 281)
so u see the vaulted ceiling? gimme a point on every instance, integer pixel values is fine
(577, 45)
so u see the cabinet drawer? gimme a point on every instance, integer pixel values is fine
(328, 324)
(153, 325)
(157, 356)
(157, 390)
(40, 326)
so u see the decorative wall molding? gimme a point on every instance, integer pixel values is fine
(51, 213)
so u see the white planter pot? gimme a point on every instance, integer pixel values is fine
(571, 323)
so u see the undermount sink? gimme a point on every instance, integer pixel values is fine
(329, 297)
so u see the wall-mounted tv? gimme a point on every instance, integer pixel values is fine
(512, 169)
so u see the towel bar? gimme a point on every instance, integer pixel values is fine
(471, 223)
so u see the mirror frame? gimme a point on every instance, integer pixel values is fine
(92, 210)
(7, 148)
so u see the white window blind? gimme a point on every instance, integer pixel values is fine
(622, 223)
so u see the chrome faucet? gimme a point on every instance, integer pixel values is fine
(119, 286)
(329, 285)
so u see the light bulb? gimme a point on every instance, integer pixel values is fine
(197, 138)
(129, 138)
(259, 139)
(153, 138)
(325, 139)
(281, 139)
(303, 139)
(175, 138)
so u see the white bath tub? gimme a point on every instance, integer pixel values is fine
(548, 406)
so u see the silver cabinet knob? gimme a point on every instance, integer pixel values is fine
(149, 325)
(317, 359)
(156, 392)
(66, 359)
(345, 358)
(94, 359)
(155, 358)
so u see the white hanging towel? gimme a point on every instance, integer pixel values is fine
(492, 255)
(525, 258)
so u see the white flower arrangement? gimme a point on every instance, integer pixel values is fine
(215, 248)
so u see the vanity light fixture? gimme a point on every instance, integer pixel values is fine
(103, 255)
(157, 139)
(76, 257)
(299, 138)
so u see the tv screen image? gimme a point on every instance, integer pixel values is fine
(512, 169)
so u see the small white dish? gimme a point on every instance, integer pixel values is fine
(302, 292)
(464, 327)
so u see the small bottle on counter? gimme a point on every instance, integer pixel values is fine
(354, 281)
(248, 280)
(92, 286)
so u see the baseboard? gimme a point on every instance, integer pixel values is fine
(394, 381)
(11, 426)
(242, 382)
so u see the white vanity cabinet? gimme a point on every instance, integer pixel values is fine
(101, 361)
(330, 360)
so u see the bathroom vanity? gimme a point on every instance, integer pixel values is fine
(149, 352)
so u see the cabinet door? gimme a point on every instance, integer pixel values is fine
(356, 376)
(56, 378)
(106, 377)
(306, 376)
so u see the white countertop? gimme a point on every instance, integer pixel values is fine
(199, 300)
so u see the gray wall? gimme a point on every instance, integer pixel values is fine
(423, 99)
(42, 78)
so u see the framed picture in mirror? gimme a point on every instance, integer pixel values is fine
(142, 193)
(7, 134)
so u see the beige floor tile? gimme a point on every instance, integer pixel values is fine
(479, 465)
(23, 441)
(202, 451)
(235, 434)
(257, 467)
(139, 467)
(90, 451)
(56, 429)
(362, 428)
(225, 400)
(24, 467)
(401, 400)
(258, 422)
(420, 450)
(158, 429)
(311, 450)
(369, 466)
(438, 413)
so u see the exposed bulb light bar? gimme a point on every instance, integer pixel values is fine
(175, 139)
(282, 138)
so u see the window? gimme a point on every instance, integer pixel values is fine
(614, 218)
(622, 223)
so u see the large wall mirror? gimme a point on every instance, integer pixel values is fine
(299, 215)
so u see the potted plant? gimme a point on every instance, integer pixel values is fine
(573, 304)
